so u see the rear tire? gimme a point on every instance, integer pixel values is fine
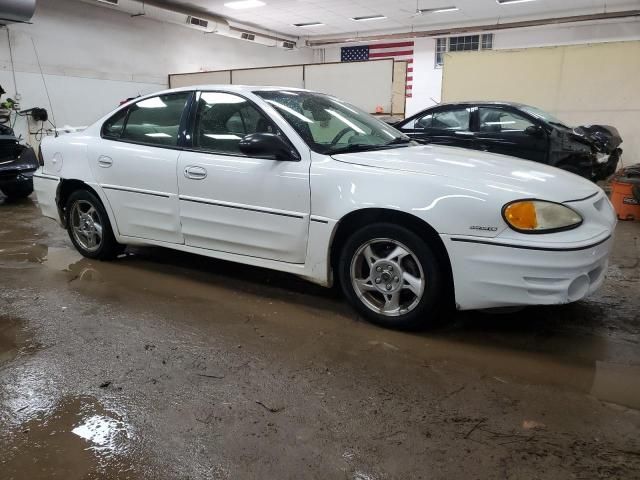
(392, 277)
(89, 227)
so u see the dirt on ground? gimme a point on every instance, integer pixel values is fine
(164, 365)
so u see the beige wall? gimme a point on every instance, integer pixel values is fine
(580, 84)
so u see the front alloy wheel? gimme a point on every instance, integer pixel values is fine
(391, 276)
(387, 277)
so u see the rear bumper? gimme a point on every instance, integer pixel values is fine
(491, 273)
(46, 188)
(15, 178)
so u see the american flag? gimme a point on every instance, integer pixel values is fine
(399, 51)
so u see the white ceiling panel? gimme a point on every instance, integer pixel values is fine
(280, 15)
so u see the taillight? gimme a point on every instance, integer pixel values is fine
(40, 157)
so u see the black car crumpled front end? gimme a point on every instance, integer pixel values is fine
(605, 142)
(17, 164)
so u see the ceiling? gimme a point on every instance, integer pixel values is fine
(280, 15)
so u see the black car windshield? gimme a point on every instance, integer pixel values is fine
(329, 125)
(547, 117)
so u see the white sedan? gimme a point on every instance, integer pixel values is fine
(305, 183)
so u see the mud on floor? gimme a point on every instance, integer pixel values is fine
(167, 365)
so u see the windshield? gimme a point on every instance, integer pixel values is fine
(329, 125)
(547, 117)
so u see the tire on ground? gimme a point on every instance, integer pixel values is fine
(109, 247)
(428, 310)
(18, 190)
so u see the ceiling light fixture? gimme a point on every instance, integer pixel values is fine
(307, 25)
(369, 17)
(438, 10)
(507, 2)
(244, 4)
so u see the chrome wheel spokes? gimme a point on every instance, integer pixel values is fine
(387, 277)
(86, 225)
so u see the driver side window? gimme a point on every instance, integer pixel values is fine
(448, 120)
(223, 119)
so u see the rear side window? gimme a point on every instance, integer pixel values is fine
(112, 128)
(156, 120)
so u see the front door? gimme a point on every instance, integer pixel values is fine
(444, 126)
(237, 204)
(509, 133)
(135, 165)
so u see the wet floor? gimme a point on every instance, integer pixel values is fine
(168, 365)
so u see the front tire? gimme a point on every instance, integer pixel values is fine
(89, 228)
(392, 276)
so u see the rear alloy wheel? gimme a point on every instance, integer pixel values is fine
(391, 276)
(89, 228)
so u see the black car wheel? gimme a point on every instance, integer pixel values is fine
(89, 228)
(18, 190)
(391, 276)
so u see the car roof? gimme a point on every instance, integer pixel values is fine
(232, 88)
(480, 102)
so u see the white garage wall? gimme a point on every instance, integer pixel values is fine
(427, 80)
(93, 57)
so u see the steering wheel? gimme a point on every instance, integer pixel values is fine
(341, 134)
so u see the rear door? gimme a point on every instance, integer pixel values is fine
(135, 165)
(237, 204)
(505, 131)
(443, 126)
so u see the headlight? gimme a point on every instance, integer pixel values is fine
(539, 216)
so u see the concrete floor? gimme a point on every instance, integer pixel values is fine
(166, 365)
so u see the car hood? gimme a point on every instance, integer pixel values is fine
(604, 137)
(490, 172)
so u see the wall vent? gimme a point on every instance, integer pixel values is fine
(288, 45)
(197, 22)
(248, 36)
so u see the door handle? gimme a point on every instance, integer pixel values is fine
(104, 161)
(195, 173)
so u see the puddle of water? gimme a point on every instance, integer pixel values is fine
(9, 328)
(61, 258)
(19, 255)
(76, 439)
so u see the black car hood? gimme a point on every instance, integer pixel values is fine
(604, 138)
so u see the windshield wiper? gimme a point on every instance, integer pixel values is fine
(400, 141)
(355, 147)
(363, 147)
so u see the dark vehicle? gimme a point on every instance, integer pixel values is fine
(519, 131)
(17, 164)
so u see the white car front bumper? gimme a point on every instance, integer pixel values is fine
(490, 273)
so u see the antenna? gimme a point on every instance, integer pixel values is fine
(35, 50)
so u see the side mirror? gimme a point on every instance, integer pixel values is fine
(533, 130)
(268, 145)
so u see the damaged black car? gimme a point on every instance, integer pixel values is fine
(18, 162)
(591, 151)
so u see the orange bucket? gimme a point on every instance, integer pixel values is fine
(624, 199)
